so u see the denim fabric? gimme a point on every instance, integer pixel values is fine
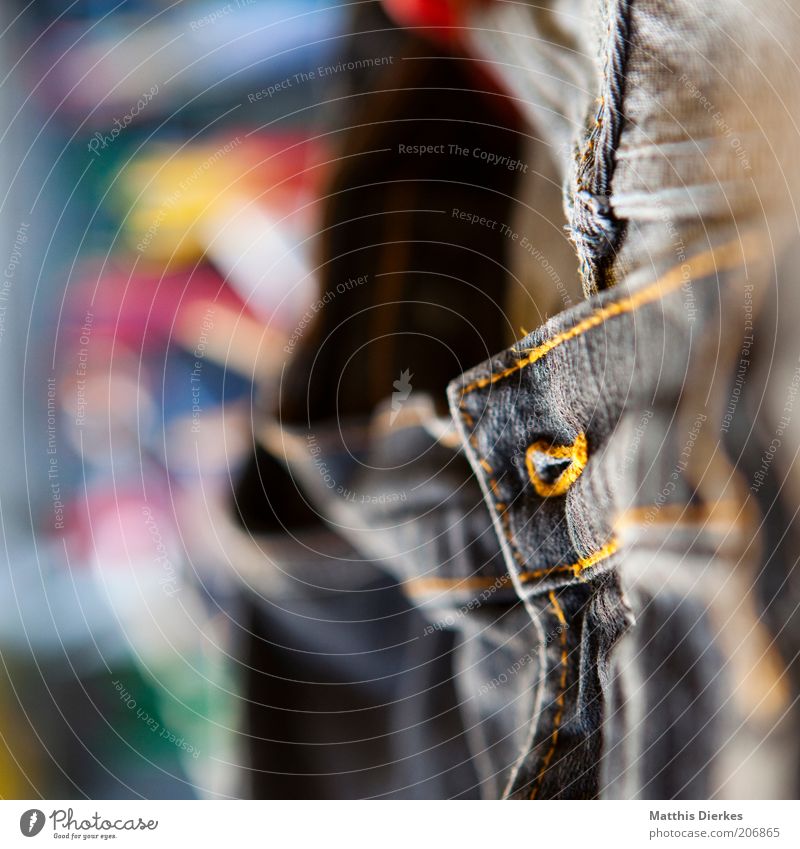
(355, 485)
(576, 379)
(625, 621)
(343, 705)
(670, 153)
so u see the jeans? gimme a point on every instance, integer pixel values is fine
(605, 518)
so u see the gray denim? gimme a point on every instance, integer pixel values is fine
(671, 123)
(611, 536)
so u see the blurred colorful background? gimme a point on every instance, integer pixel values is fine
(162, 167)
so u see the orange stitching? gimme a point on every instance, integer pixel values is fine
(728, 512)
(577, 453)
(709, 261)
(505, 521)
(422, 585)
(417, 586)
(611, 547)
(499, 506)
(562, 691)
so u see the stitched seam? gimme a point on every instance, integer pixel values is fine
(421, 585)
(577, 568)
(499, 506)
(728, 511)
(505, 521)
(594, 228)
(709, 261)
(476, 582)
(562, 690)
